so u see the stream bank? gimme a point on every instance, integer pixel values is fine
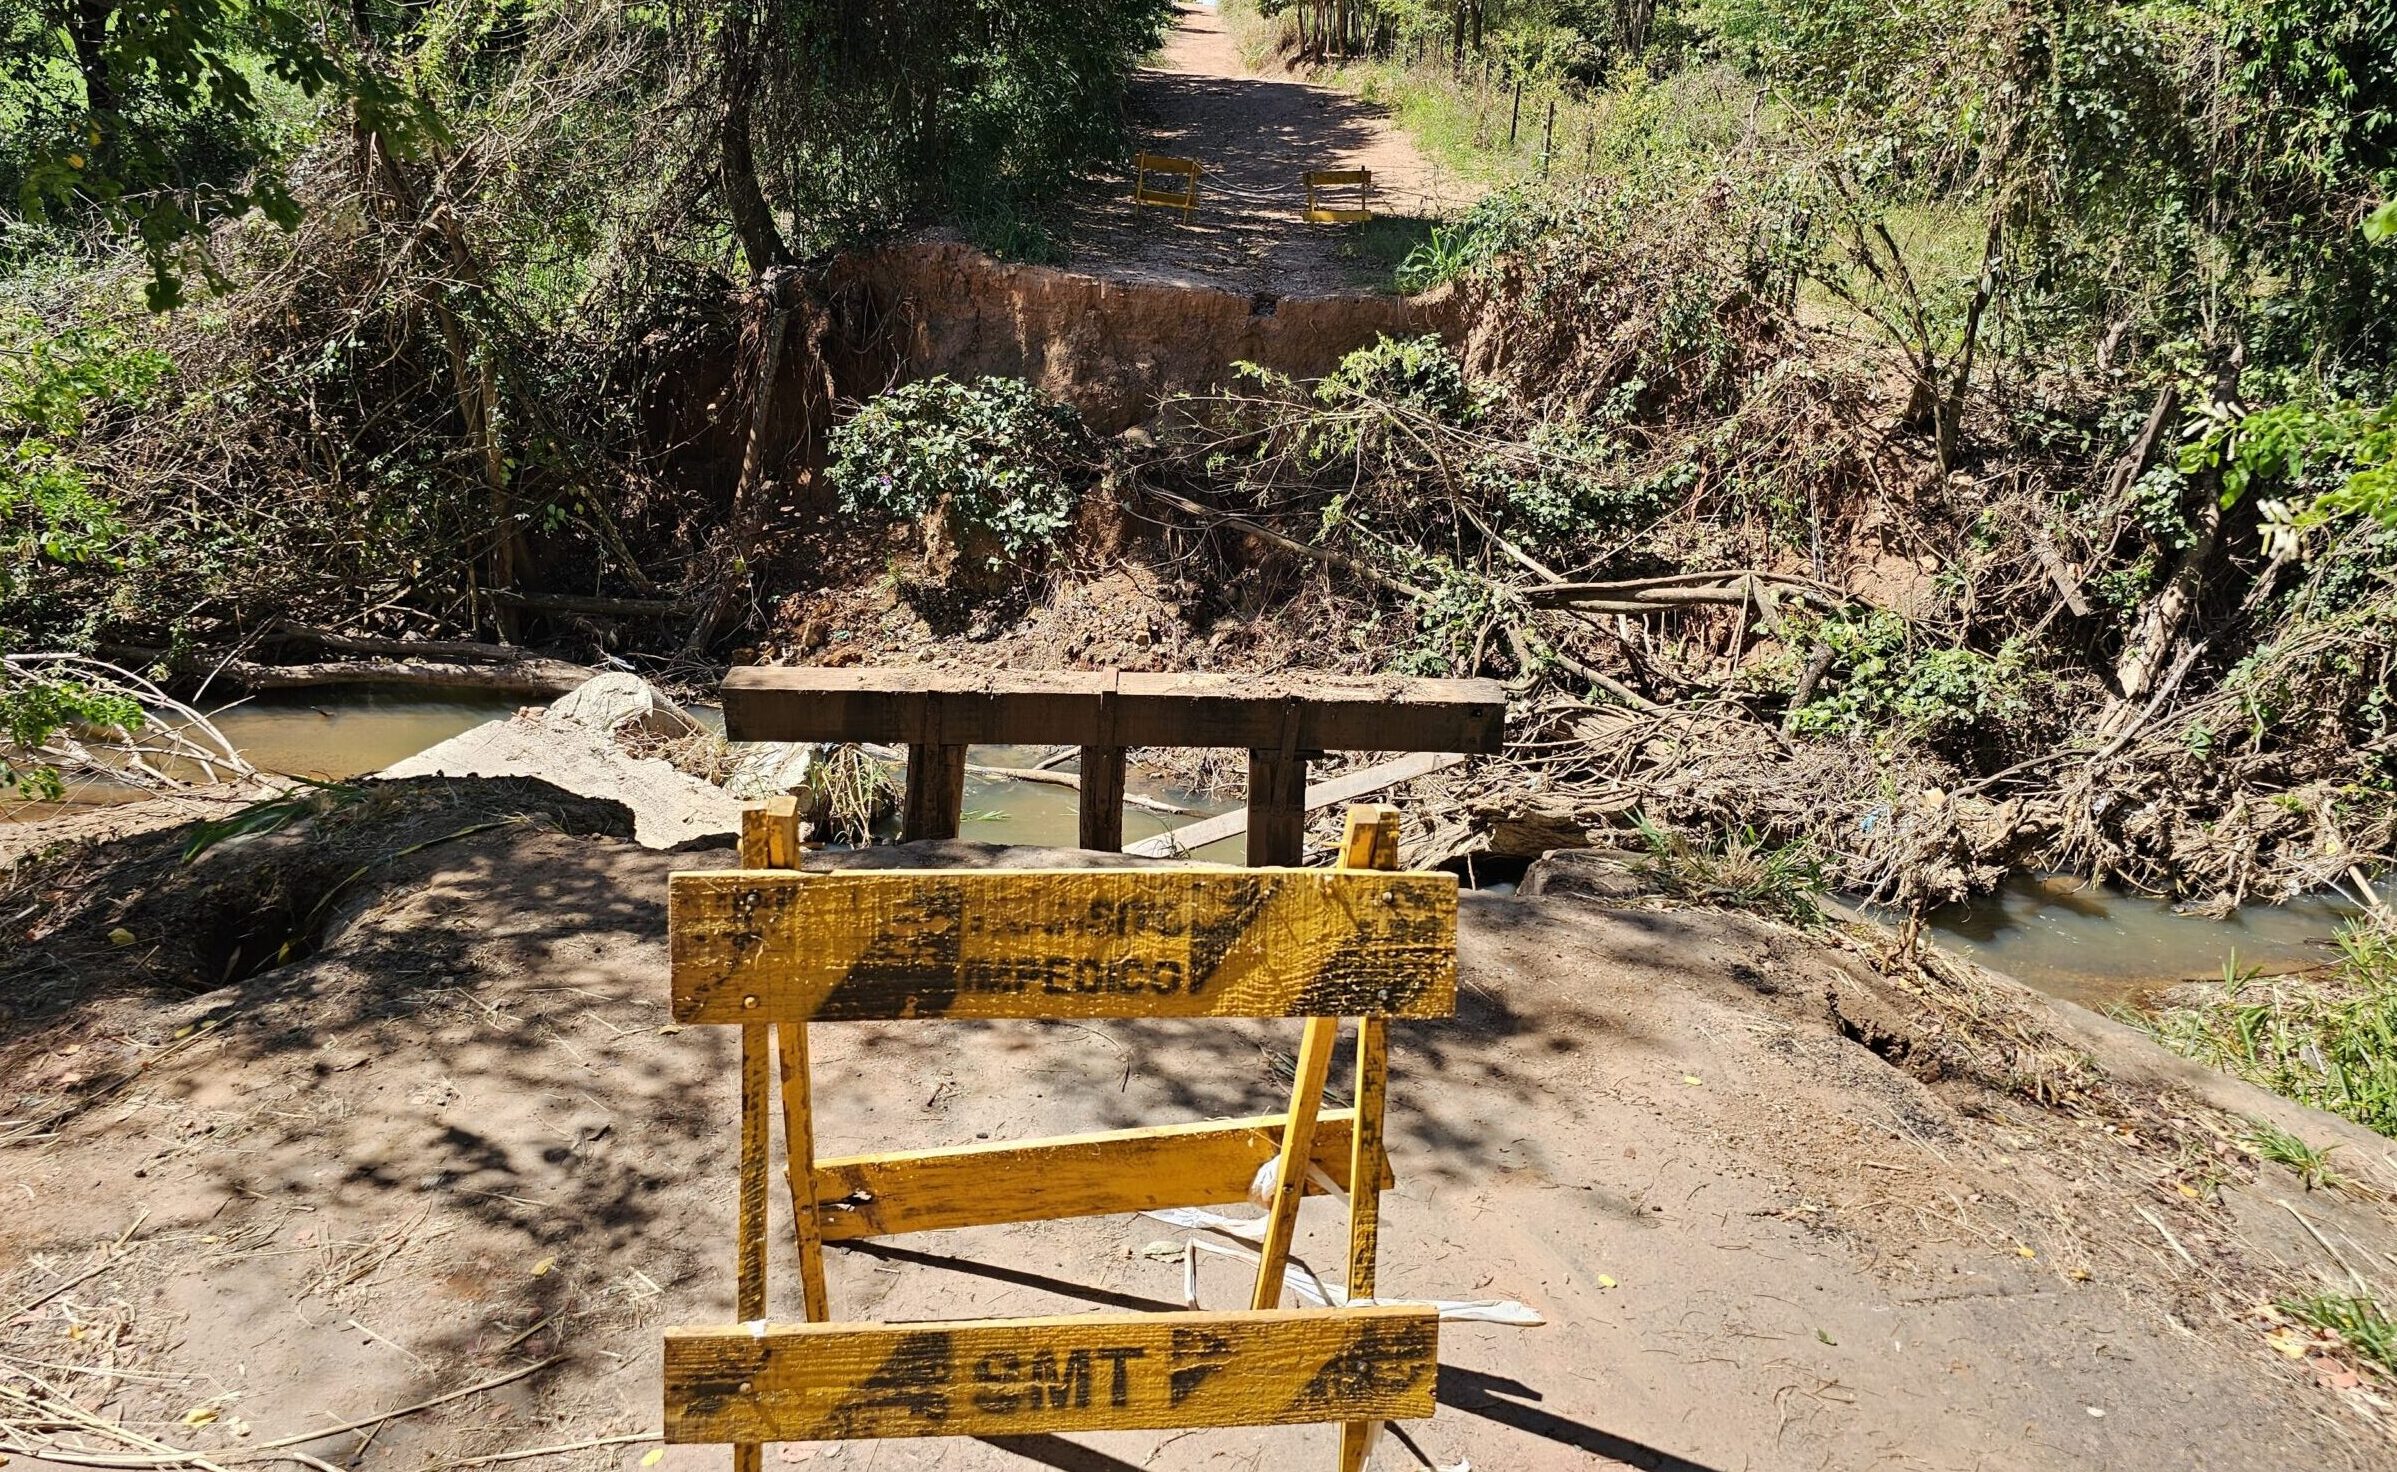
(2085, 944)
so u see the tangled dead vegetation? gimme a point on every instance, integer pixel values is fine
(1736, 594)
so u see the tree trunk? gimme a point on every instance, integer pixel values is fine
(752, 218)
(87, 32)
(2159, 625)
(1951, 405)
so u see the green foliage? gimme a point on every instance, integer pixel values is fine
(2311, 1163)
(1450, 624)
(989, 460)
(2328, 1042)
(1494, 224)
(1418, 374)
(50, 385)
(2330, 462)
(1574, 484)
(31, 709)
(884, 112)
(1884, 686)
(2359, 1321)
(162, 119)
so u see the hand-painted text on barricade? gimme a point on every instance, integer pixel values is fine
(1012, 1377)
(751, 947)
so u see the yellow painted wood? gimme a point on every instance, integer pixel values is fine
(1322, 214)
(799, 1166)
(1014, 1377)
(1102, 1174)
(783, 850)
(1369, 842)
(1365, 1200)
(757, 830)
(1143, 192)
(750, 1220)
(1290, 1165)
(1370, 839)
(770, 840)
(749, 1230)
(875, 944)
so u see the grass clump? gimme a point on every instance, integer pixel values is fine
(2328, 1040)
(2357, 1319)
(1742, 872)
(2310, 1163)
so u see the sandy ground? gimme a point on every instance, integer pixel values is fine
(1254, 136)
(1768, 1226)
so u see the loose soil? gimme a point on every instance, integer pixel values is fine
(1254, 136)
(1774, 1210)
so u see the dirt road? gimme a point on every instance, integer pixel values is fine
(1770, 1219)
(1254, 135)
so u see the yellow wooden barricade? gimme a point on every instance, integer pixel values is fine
(1184, 199)
(770, 949)
(1327, 179)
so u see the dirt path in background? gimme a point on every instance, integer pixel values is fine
(1254, 136)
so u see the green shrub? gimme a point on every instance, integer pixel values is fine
(1740, 872)
(51, 385)
(1883, 686)
(1495, 224)
(1418, 373)
(986, 465)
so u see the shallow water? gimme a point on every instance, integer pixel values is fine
(1008, 810)
(328, 734)
(2102, 948)
(2093, 946)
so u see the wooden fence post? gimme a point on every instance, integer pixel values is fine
(935, 802)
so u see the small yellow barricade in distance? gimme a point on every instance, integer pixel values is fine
(771, 949)
(1184, 199)
(1323, 214)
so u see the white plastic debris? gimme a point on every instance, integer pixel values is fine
(1302, 1281)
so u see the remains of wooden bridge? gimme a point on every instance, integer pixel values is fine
(1283, 721)
(770, 949)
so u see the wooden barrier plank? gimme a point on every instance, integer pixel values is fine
(877, 945)
(1307, 1078)
(1277, 809)
(1191, 837)
(1103, 1174)
(1065, 708)
(1015, 1377)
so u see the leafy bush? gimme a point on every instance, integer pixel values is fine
(1495, 224)
(985, 464)
(1887, 688)
(1742, 872)
(1418, 373)
(50, 385)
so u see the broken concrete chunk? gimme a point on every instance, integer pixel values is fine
(615, 701)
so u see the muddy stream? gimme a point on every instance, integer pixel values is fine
(2093, 946)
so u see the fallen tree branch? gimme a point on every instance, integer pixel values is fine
(1047, 778)
(589, 607)
(1324, 555)
(546, 678)
(283, 631)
